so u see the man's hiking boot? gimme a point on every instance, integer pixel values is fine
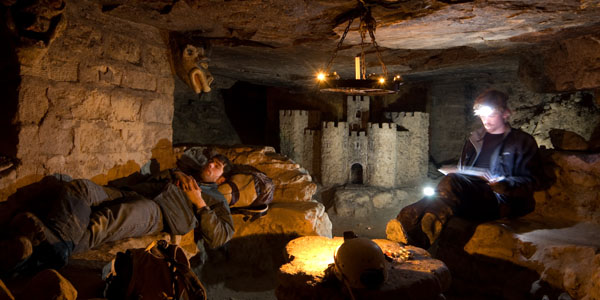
(30, 226)
(434, 219)
(48, 250)
(12, 252)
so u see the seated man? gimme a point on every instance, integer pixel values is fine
(85, 215)
(495, 177)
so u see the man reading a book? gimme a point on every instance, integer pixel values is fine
(494, 177)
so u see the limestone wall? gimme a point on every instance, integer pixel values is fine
(334, 154)
(291, 133)
(96, 102)
(382, 156)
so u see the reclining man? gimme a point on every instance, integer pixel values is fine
(494, 179)
(85, 215)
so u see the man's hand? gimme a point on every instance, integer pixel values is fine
(190, 188)
(499, 187)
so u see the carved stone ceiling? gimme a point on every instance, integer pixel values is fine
(285, 42)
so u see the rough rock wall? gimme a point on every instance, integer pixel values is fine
(567, 65)
(201, 119)
(536, 113)
(575, 194)
(97, 102)
(382, 159)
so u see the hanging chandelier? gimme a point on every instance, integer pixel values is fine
(362, 84)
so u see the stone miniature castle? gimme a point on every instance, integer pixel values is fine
(392, 154)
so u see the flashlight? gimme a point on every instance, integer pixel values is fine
(428, 191)
(484, 111)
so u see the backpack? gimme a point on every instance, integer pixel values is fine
(247, 186)
(161, 271)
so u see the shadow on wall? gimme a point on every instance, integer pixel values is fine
(37, 194)
(9, 84)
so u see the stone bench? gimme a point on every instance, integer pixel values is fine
(555, 249)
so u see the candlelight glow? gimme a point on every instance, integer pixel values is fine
(321, 76)
(381, 80)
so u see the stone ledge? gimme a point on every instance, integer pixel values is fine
(564, 255)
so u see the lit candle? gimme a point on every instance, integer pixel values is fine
(357, 67)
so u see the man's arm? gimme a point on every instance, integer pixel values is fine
(525, 166)
(216, 224)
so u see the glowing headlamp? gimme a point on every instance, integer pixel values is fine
(484, 111)
(428, 191)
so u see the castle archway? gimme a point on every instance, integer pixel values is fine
(356, 174)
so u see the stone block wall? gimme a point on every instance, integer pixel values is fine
(291, 135)
(334, 155)
(382, 158)
(96, 102)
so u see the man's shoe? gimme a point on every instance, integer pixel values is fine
(13, 252)
(30, 226)
(431, 226)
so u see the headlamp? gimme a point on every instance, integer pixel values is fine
(428, 191)
(483, 111)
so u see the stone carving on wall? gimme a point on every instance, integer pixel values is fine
(192, 67)
(35, 23)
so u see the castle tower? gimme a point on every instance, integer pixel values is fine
(413, 146)
(358, 152)
(357, 111)
(382, 154)
(291, 134)
(334, 153)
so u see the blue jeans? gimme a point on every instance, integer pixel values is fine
(85, 215)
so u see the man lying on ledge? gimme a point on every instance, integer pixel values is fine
(495, 177)
(85, 215)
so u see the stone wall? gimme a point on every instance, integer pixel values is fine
(451, 117)
(95, 102)
(382, 158)
(358, 149)
(357, 111)
(201, 119)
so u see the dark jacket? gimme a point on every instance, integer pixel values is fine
(179, 215)
(517, 159)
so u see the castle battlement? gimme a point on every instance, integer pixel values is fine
(311, 132)
(358, 134)
(343, 125)
(290, 113)
(384, 126)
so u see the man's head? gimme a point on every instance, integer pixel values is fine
(492, 108)
(216, 166)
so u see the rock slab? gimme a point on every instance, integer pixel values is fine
(306, 275)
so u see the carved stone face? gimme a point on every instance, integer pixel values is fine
(195, 69)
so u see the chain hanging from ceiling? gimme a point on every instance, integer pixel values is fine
(367, 25)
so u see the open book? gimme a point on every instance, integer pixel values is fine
(478, 172)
